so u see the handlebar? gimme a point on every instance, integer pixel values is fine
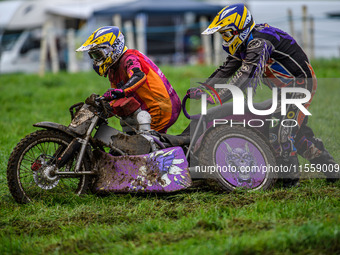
(186, 114)
(101, 99)
(76, 107)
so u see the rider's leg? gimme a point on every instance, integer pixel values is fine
(282, 137)
(313, 149)
(282, 141)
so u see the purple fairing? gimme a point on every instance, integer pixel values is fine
(160, 171)
(277, 33)
(237, 154)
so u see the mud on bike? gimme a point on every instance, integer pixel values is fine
(90, 155)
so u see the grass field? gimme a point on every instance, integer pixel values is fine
(304, 220)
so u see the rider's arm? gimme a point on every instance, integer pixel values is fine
(251, 68)
(225, 71)
(223, 74)
(136, 76)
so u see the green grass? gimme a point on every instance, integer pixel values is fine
(302, 220)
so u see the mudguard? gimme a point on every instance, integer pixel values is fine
(56, 126)
(160, 171)
(64, 129)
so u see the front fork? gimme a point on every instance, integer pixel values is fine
(72, 148)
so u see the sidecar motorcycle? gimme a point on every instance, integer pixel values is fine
(91, 155)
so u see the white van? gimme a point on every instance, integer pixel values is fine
(20, 51)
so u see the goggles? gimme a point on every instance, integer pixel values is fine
(228, 33)
(98, 54)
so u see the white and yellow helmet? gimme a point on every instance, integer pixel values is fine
(105, 46)
(234, 23)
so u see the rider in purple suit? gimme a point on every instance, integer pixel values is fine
(262, 53)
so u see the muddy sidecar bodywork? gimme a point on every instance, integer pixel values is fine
(164, 170)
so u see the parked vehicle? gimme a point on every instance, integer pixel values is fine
(20, 51)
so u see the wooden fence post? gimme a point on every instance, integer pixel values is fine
(217, 49)
(43, 49)
(206, 41)
(53, 51)
(141, 33)
(305, 44)
(312, 42)
(291, 22)
(72, 62)
(117, 21)
(129, 34)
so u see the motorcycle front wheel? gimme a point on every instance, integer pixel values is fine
(31, 168)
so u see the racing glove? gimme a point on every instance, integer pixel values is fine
(195, 93)
(112, 94)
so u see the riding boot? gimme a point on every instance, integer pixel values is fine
(288, 175)
(332, 174)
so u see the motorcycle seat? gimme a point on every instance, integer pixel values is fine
(176, 140)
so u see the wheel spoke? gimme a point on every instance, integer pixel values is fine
(26, 169)
(31, 155)
(41, 148)
(24, 176)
